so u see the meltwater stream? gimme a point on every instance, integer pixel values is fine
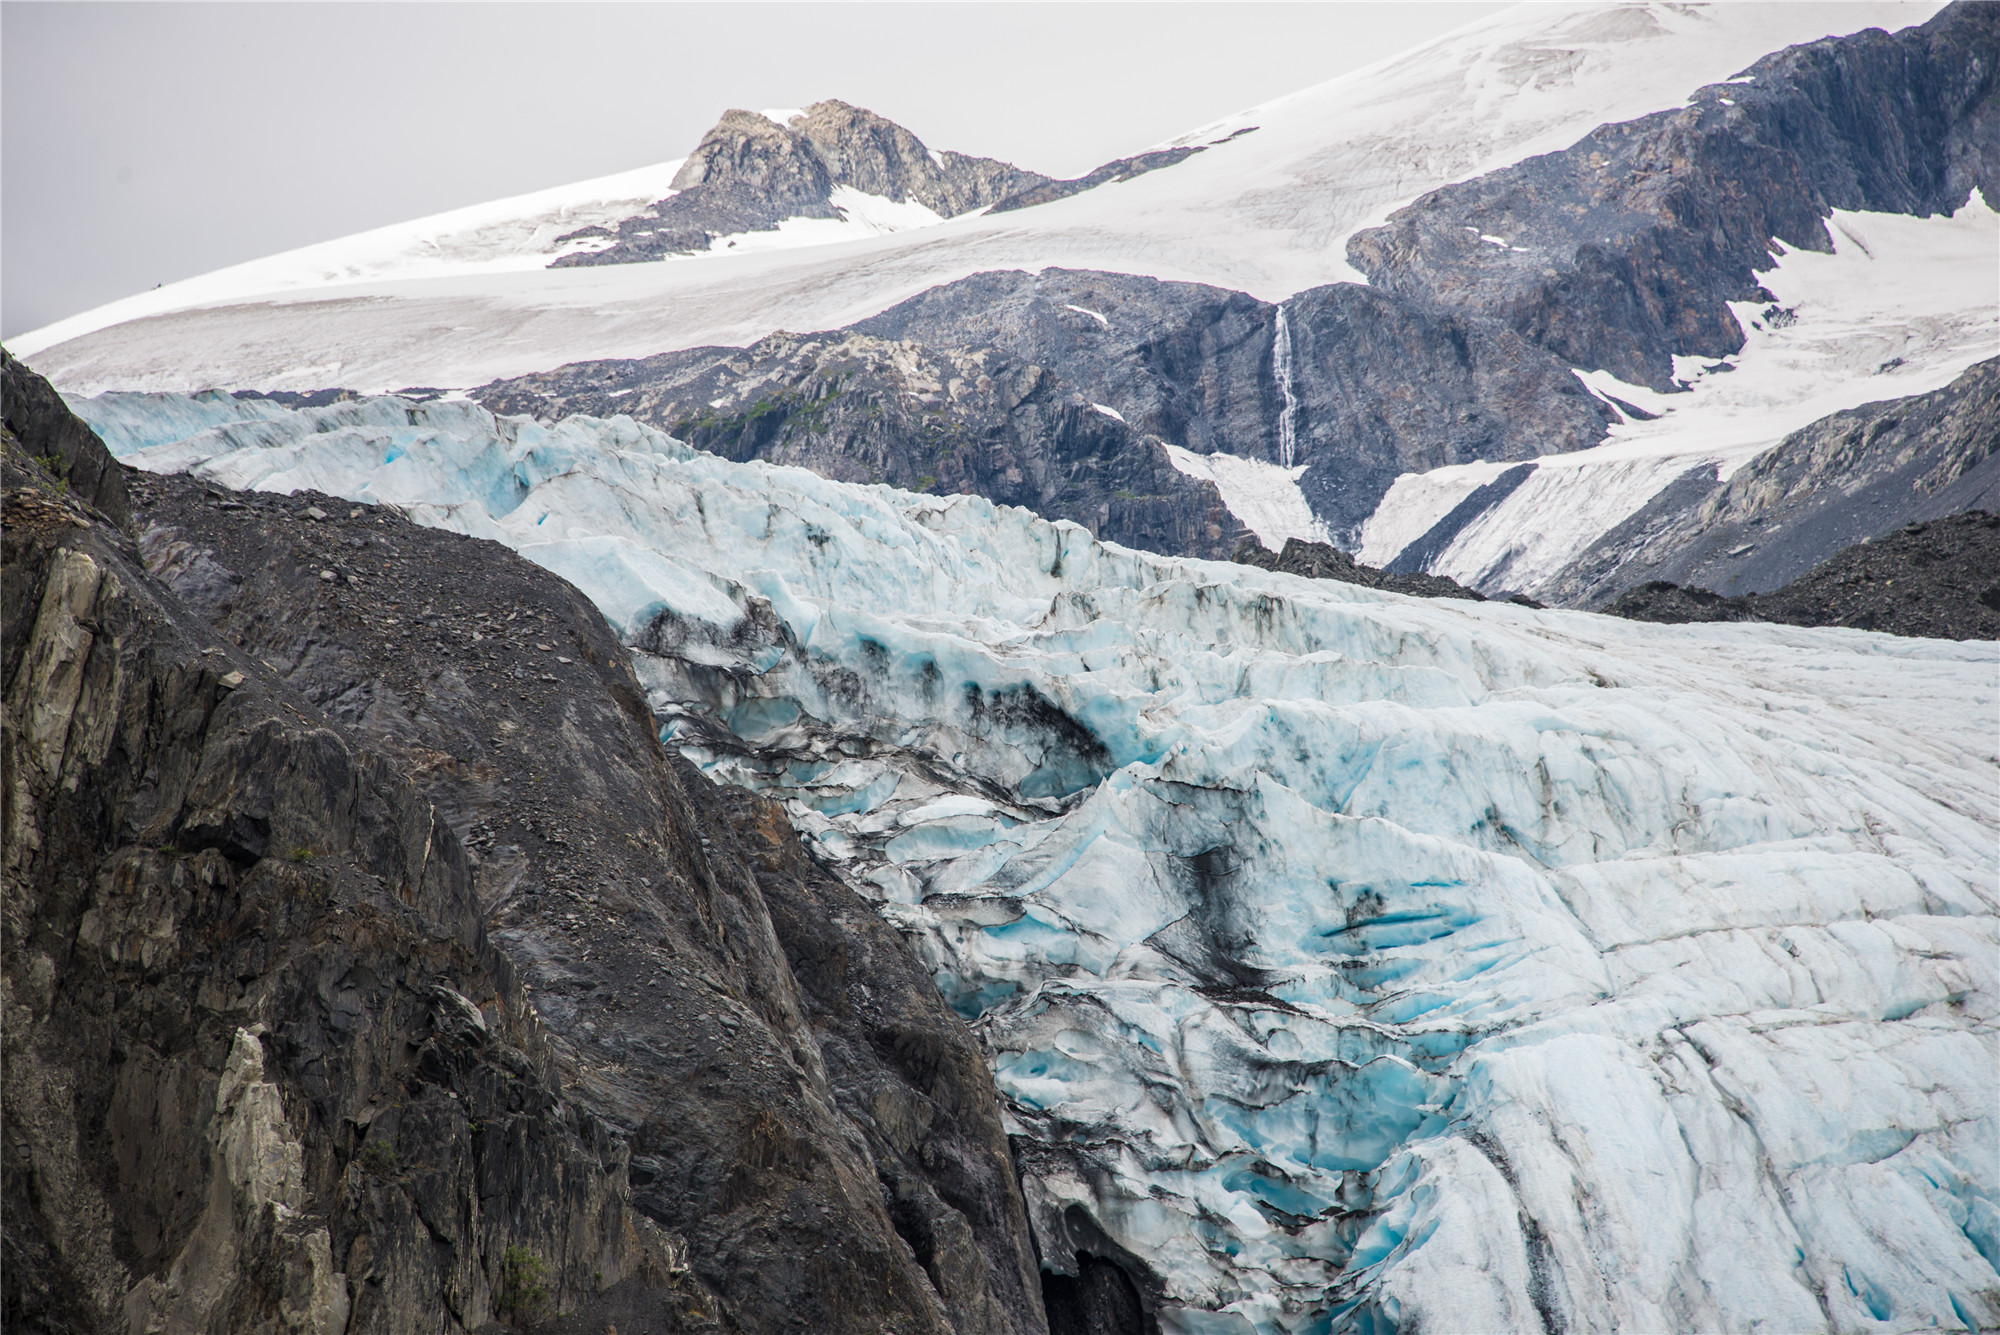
(1345, 961)
(1281, 371)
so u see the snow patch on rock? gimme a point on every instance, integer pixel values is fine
(1267, 213)
(1265, 497)
(862, 216)
(1901, 306)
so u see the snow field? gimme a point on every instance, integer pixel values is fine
(1266, 497)
(1355, 960)
(504, 236)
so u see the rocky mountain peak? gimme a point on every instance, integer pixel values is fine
(879, 157)
(746, 151)
(750, 173)
(835, 143)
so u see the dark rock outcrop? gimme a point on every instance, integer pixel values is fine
(1855, 475)
(264, 1070)
(986, 385)
(629, 900)
(45, 430)
(1188, 363)
(1118, 169)
(1387, 386)
(1623, 250)
(749, 173)
(1319, 560)
(1940, 580)
(554, 1030)
(1379, 387)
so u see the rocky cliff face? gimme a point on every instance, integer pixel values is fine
(1385, 387)
(264, 1070)
(42, 425)
(1845, 479)
(989, 385)
(750, 173)
(879, 157)
(1622, 251)
(368, 959)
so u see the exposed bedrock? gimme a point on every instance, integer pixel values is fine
(263, 1069)
(1387, 387)
(1378, 386)
(1624, 250)
(1939, 580)
(371, 966)
(1845, 479)
(750, 173)
(997, 384)
(43, 426)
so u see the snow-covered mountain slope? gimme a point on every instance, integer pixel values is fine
(1901, 306)
(504, 236)
(1347, 961)
(1266, 212)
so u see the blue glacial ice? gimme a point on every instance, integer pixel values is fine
(1357, 962)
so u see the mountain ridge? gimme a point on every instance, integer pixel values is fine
(749, 173)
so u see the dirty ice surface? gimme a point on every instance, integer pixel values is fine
(1359, 962)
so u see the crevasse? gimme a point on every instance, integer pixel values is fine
(1356, 962)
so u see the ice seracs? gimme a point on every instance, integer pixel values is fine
(1356, 962)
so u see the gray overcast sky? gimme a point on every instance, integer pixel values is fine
(143, 143)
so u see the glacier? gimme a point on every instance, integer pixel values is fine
(1346, 961)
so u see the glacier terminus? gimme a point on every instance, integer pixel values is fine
(1347, 961)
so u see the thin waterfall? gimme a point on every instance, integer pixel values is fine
(1281, 368)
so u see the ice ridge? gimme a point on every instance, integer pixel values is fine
(1355, 962)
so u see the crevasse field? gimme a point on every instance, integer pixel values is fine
(1356, 962)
